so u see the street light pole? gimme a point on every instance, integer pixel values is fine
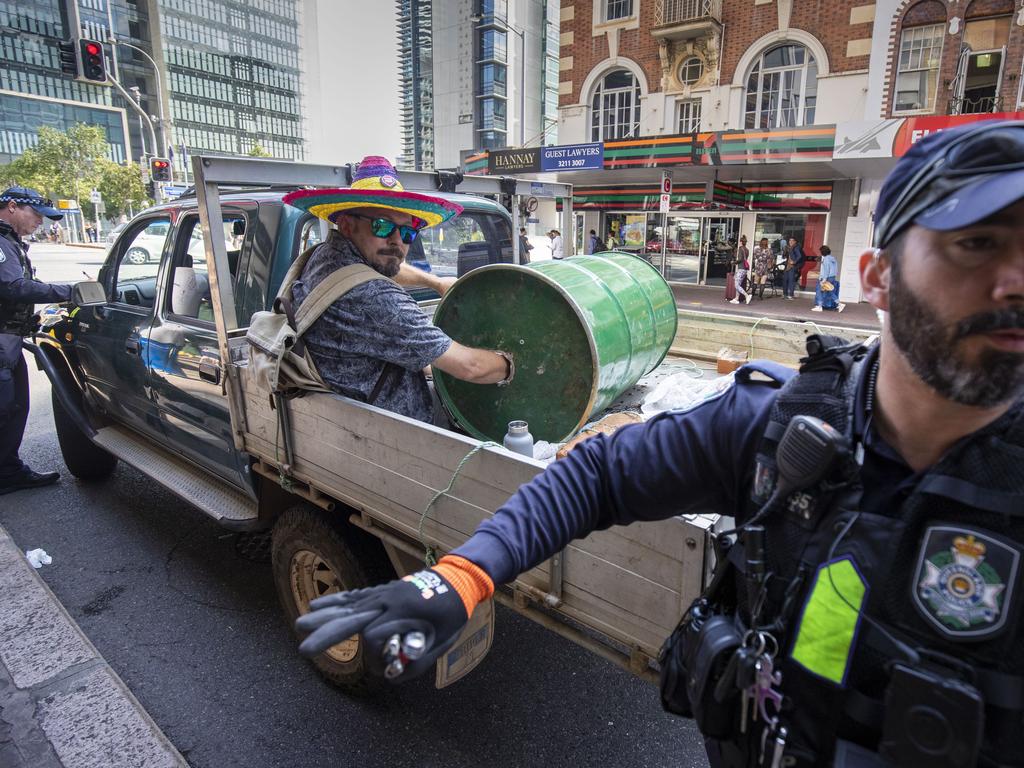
(152, 134)
(164, 138)
(522, 84)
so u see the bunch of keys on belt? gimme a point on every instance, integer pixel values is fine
(398, 651)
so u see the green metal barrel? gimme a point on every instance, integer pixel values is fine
(581, 331)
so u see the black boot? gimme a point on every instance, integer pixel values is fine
(28, 479)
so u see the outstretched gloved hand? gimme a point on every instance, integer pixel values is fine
(406, 624)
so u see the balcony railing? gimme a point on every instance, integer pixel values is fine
(965, 106)
(683, 11)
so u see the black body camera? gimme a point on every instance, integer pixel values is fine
(931, 719)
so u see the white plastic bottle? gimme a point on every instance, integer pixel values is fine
(518, 438)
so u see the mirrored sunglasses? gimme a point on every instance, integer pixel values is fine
(382, 228)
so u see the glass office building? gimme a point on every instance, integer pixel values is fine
(416, 75)
(233, 69)
(33, 90)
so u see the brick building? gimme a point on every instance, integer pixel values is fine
(774, 117)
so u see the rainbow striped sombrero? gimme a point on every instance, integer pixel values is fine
(376, 185)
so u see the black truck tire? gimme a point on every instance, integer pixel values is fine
(83, 458)
(313, 555)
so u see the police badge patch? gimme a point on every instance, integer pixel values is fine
(964, 581)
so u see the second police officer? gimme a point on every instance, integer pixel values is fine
(21, 212)
(867, 609)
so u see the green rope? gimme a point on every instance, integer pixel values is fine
(429, 553)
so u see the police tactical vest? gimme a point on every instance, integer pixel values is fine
(15, 315)
(942, 572)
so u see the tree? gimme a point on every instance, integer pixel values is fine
(63, 163)
(121, 187)
(258, 151)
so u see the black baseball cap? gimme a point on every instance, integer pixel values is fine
(953, 179)
(25, 196)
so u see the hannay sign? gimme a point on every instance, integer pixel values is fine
(514, 161)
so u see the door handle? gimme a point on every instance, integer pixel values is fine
(132, 346)
(209, 372)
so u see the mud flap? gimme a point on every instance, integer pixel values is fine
(471, 647)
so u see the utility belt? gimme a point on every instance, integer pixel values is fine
(726, 677)
(25, 326)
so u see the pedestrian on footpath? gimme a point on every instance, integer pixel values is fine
(21, 212)
(742, 270)
(556, 244)
(764, 263)
(795, 259)
(524, 247)
(592, 242)
(826, 293)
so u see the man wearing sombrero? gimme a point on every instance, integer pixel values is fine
(374, 342)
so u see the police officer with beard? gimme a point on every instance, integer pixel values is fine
(21, 212)
(866, 609)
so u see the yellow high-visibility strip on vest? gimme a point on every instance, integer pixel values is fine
(824, 642)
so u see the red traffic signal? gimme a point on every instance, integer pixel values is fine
(94, 67)
(160, 169)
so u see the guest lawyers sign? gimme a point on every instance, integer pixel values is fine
(571, 157)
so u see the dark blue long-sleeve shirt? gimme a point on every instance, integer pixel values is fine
(676, 463)
(17, 288)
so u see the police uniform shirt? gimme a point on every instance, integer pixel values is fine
(373, 324)
(16, 288)
(699, 460)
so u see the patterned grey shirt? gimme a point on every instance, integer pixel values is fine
(373, 324)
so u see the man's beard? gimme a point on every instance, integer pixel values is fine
(932, 347)
(388, 261)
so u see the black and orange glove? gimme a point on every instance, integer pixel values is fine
(406, 624)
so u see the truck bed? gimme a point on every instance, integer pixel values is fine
(629, 585)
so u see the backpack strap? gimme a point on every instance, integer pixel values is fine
(329, 290)
(323, 295)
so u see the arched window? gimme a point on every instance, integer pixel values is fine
(919, 57)
(782, 88)
(615, 108)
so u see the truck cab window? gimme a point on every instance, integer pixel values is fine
(189, 283)
(138, 261)
(469, 240)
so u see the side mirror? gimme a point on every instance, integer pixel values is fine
(88, 294)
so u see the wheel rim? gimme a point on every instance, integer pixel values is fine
(136, 256)
(312, 577)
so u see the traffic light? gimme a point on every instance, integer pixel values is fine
(151, 190)
(160, 169)
(68, 57)
(94, 68)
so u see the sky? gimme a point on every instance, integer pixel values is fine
(354, 98)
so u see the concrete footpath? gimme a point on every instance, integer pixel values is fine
(701, 298)
(61, 705)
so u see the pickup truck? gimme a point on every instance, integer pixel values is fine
(150, 368)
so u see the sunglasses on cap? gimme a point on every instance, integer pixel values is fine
(985, 150)
(382, 228)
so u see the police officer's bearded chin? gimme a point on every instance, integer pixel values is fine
(384, 254)
(961, 328)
